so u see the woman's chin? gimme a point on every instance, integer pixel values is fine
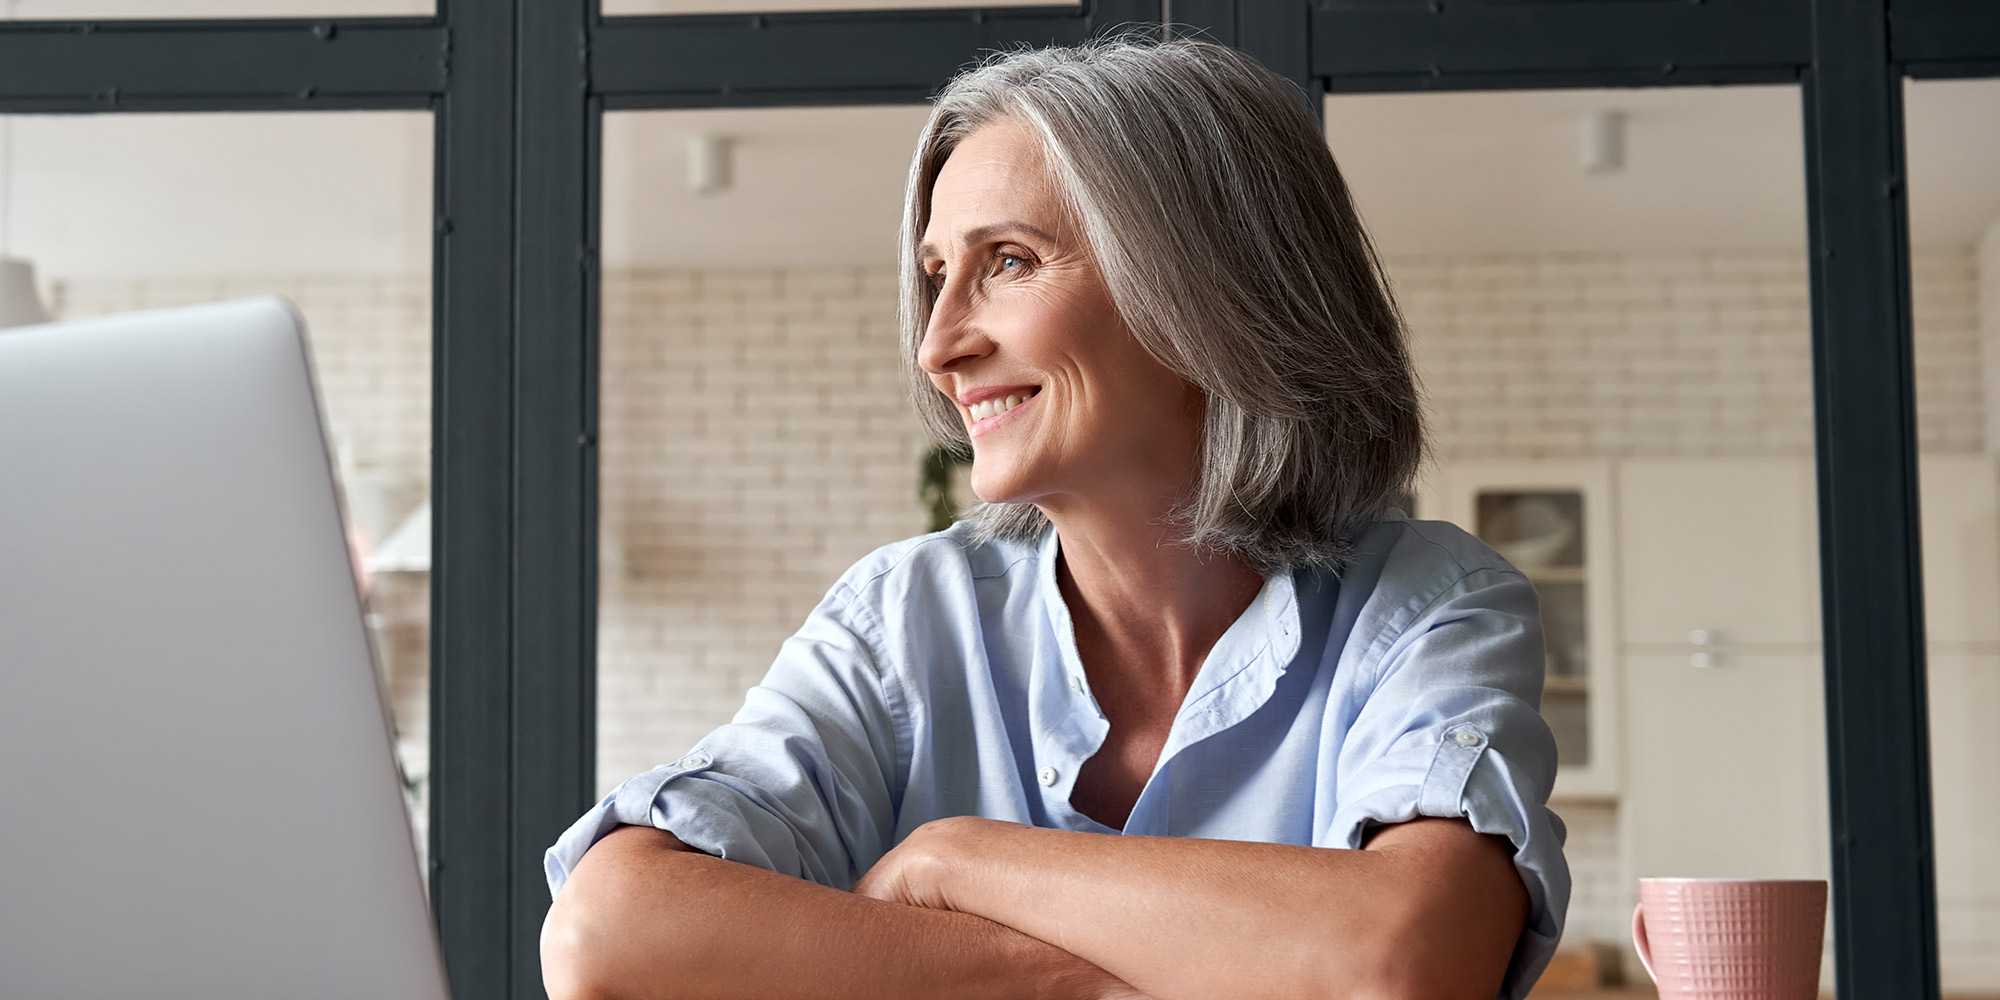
(1000, 488)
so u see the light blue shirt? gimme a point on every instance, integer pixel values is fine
(941, 678)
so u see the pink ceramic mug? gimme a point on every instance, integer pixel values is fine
(1731, 939)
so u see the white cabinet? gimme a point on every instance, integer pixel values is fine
(1961, 549)
(1726, 767)
(1965, 810)
(1553, 521)
(1962, 623)
(1726, 546)
(1725, 720)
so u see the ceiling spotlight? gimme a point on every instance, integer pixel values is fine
(1601, 141)
(711, 163)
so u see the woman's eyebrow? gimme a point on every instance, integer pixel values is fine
(985, 233)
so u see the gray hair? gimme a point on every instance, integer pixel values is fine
(1188, 158)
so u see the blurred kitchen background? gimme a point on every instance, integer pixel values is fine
(1607, 294)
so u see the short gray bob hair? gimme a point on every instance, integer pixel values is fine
(1188, 158)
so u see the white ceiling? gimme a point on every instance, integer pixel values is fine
(1442, 173)
(222, 194)
(1498, 171)
(1706, 168)
(812, 185)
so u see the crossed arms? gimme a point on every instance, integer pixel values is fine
(968, 907)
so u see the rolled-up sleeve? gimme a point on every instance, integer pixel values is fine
(1451, 728)
(802, 781)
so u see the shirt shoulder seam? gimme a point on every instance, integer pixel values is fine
(1453, 584)
(902, 558)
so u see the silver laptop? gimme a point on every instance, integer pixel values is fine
(198, 797)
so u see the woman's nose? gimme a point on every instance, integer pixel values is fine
(952, 336)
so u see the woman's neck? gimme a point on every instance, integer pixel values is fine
(1145, 606)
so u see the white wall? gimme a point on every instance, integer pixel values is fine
(1684, 354)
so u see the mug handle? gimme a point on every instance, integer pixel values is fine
(1639, 941)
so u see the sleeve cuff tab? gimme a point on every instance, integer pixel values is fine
(1443, 792)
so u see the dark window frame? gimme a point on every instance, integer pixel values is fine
(518, 89)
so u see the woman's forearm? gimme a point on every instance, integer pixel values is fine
(1434, 913)
(644, 917)
(1179, 918)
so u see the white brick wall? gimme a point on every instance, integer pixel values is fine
(755, 442)
(1615, 355)
(755, 437)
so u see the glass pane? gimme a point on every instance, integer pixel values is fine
(1607, 298)
(615, 7)
(1542, 534)
(755, 435)
(329, 210)
(1953, 149)
(158, 9)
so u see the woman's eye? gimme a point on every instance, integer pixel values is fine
(935, 279)
(1008, 262)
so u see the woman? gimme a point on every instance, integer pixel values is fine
(1186, 708)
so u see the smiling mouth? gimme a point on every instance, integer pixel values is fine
(1000, 404)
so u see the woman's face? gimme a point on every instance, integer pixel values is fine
(1061, 402)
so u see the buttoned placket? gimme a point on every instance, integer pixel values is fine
(1237, 679)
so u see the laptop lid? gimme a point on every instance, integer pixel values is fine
(198, 795)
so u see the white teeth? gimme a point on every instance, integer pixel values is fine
(994, 407)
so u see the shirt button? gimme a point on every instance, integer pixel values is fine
(1047, 777)
(694, 760)
(1076, 683)
(1465, 738)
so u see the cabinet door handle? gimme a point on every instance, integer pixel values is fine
(1703, 661)
(1702, 637)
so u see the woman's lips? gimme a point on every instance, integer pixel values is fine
(988, 425)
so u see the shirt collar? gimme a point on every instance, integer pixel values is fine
(1270, 625)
